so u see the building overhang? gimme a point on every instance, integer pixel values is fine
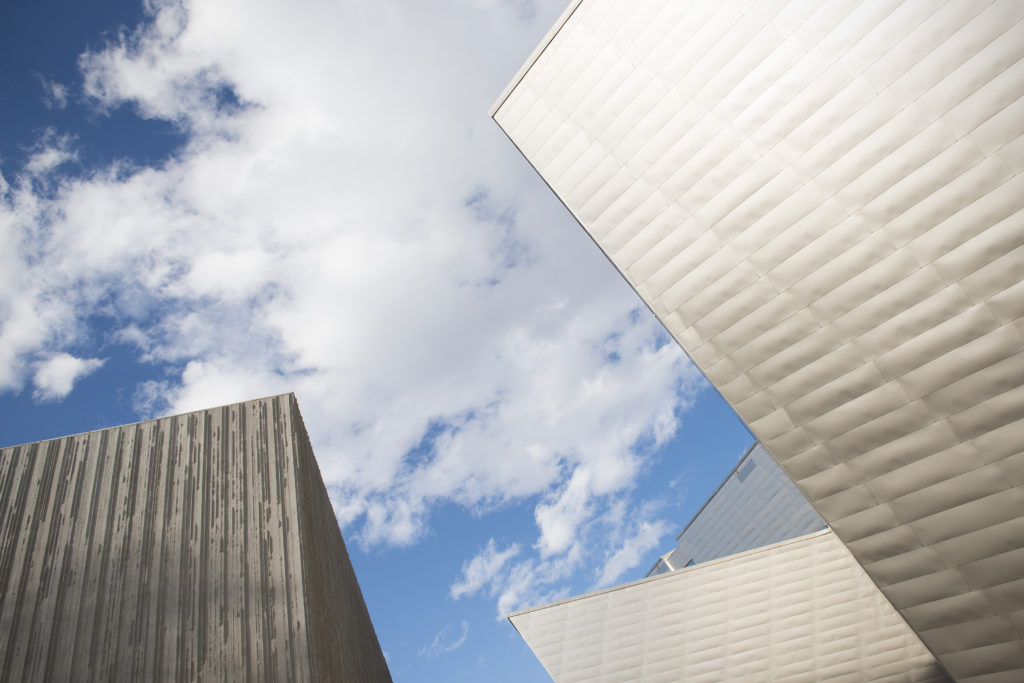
(801, 609)
(824, 205)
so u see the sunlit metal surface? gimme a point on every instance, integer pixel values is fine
(800, 610)
(823, 204)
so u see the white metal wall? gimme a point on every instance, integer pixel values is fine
(800, 610)
(823, 204)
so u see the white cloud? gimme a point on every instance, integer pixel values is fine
(56, 376)
(482, 569)
(559, 519)
(49, 157)
(343, 220)
(446, 641)
(649, 535)
(55, 95)
(615, 537)
(536, 581)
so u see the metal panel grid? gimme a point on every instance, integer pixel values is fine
(800, 610)
(756, 505)
(823, 203)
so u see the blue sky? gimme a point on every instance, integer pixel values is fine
(205, 202)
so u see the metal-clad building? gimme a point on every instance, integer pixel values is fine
(799, 610)
(824, 204)
(756, 505)
(195, 547)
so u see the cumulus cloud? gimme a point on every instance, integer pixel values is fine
(55, 377)
(343, 220)
(559, 519)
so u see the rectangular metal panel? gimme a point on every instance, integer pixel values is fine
(800, 610)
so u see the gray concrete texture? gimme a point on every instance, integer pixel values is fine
(196, 547)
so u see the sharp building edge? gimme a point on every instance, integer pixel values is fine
(756, 505)
(196, 547)
(756, 590)
(824, 205)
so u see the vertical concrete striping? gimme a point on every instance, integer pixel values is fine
(196, 547)
(341, 649)
(23, 537)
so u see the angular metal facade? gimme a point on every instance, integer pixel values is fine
(823, 204)
(755, 506)
(196, 547)
(800, 610)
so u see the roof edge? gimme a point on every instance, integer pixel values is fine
(534, 56)
(289, 394)
(668, 575)
(736, 467)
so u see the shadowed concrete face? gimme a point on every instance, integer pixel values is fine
(824, 204)
(201, 546)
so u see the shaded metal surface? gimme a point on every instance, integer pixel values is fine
(800, 610)
(823, 204)
(756, 505)
(195, 547)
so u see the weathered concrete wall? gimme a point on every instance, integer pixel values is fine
(195, 547)
(343, 646)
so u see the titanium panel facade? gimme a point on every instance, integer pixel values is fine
(196, 547)
(823, 204)
(801, 610)
(755, 506)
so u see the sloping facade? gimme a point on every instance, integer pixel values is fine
(755, 506)
(823, 202)
(195, 547)
(799, 610)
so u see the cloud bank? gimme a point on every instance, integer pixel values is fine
(343, 220)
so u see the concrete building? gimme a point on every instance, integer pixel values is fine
(195, 547)
(823, 202)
